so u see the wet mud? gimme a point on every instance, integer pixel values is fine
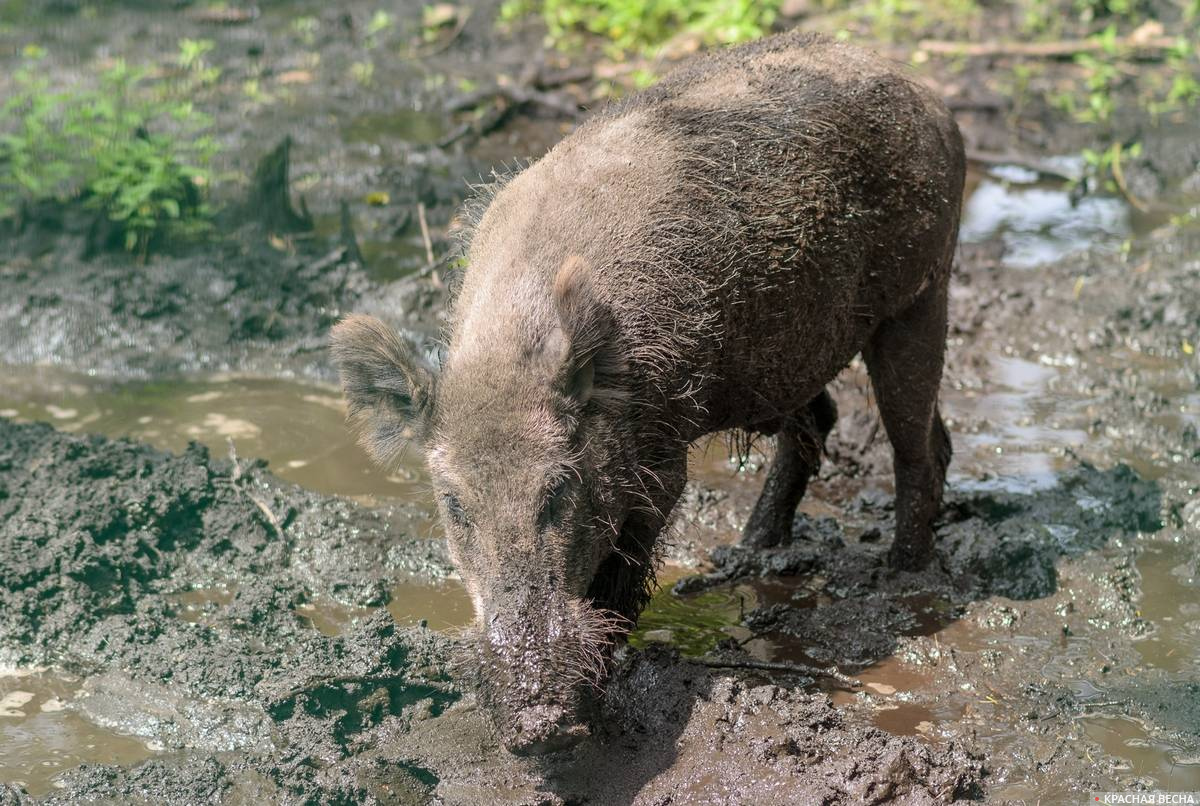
(170, 596)
(183, 627)
(252, 296)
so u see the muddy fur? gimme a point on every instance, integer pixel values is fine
(704, 256)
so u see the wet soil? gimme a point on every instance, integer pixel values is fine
(363, 110)
(172, 596)
(187, 628)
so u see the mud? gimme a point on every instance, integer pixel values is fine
(1054, 630)
(183, 631)
(238, 697)
(246, 298)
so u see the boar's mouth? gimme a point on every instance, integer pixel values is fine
(542, 664)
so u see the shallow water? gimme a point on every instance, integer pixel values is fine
(1038, 222)
(42, 735)
(298, 428)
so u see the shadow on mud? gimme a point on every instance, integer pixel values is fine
(842, 605)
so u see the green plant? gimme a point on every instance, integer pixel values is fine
(122, 147)
(642, 26)
(1183, 91)
(1097, 9)
(306, 28)
(1040, 18)
(1102, 169)
(1100, 79)
(1023, 76)
(363, 72)
(380, 23)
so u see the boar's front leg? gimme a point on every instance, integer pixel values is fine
(904, 358)
(799, 443)
(623, 582)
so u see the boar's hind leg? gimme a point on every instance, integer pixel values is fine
(904, 357)
(799, 443)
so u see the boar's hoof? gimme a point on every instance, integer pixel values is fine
(909, 557)
(542, 729)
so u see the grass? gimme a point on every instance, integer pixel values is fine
(134, 150)
(644, 26)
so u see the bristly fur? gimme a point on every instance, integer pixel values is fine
(704, 256)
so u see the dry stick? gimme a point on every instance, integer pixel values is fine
(236, 479)
(516, 94)
(792, 668)
(1046, 50)
(550, 79)
(489, 120)
(1102, 703)
(1119, 178)
(425, 232)
(424, 53)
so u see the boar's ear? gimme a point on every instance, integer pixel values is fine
(389, 390)
(583, 344)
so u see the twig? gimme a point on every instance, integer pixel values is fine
(1119, 178)
(224, 16)
(425, 232)
(526, 94)
(1047, 50)
(1102, 703)
(552, 79)
(518, 94)
(236, 479)
(774, 666)
(339, 680)
(424, 53)
(489, 120)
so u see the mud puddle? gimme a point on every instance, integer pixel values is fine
(43, 735)
(1037, 221)
(299, 429)
(444, 608)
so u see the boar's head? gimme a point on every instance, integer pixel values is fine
(526, 435)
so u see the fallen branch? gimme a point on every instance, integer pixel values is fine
(1102, 703)
(552, 79)
(776, 666)
(501, 99)
(1062, 49)
(222, 15)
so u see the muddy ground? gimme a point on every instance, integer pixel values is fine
(216, 634)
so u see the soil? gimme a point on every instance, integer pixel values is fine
(227, 636)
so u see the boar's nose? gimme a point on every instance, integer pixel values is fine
(542, 729)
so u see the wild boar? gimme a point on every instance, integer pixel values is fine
(704, 255)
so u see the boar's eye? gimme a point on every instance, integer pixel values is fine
(556, 495)
(454, 509)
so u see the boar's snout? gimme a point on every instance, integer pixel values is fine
(542, 729)
(541, 667)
